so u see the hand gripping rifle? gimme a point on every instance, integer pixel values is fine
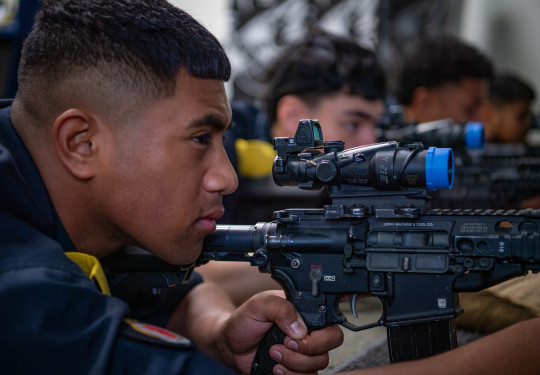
(378, 236)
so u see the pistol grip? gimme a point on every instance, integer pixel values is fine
(307, 305)
(263, 363)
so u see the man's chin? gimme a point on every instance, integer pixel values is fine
(181, 256)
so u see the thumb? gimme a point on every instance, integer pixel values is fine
(272, 307)
(277, 309)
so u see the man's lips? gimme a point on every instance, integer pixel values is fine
(208, 222)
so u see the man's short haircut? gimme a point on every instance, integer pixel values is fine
(123, 46)
(506, 88)
(440, 60)
(320, 65)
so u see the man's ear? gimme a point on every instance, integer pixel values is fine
(421, 98)
(74, 132)
(289, 111)
(425, 104)
(487, 112)
(488, 115)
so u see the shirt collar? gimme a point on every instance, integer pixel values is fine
(49, 222)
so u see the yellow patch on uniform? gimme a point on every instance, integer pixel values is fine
(92, 268)
(255, 158)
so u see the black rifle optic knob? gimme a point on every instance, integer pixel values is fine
(333, 146)
(326, 171)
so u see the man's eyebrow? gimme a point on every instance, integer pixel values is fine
(211, 120)
(361, 114)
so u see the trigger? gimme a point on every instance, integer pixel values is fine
(352, 301)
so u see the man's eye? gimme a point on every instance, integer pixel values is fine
(203, 139)
(352, 126)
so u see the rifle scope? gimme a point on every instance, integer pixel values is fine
(309, 163)
(440, 133)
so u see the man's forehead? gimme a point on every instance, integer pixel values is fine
(474, 85)
(206, 100)
(369, 107)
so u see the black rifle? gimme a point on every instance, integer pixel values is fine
(502, 176)
(487, 176)
(380, 237)
(461, 137)
(439, 133)
(377, 236)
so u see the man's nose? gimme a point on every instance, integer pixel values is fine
(221, 177)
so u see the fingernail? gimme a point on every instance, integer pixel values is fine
(278, 371)
(297, 327)
(276, 355)
(293, 345)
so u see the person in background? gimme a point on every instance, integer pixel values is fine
(114, 139)
(329, 78)
(444, 78)
(322, 76)
(507, 115)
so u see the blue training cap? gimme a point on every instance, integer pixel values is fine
(475, 137)
(439, 168)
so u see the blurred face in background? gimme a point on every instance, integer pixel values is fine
(460, 102)
(343, 117)
(348, 118)
(508, 123)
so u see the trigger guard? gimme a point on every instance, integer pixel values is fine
(353, 327)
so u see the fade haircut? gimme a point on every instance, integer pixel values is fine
(112, 51)
(440, 60)
(507, 88)
(319, 65)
